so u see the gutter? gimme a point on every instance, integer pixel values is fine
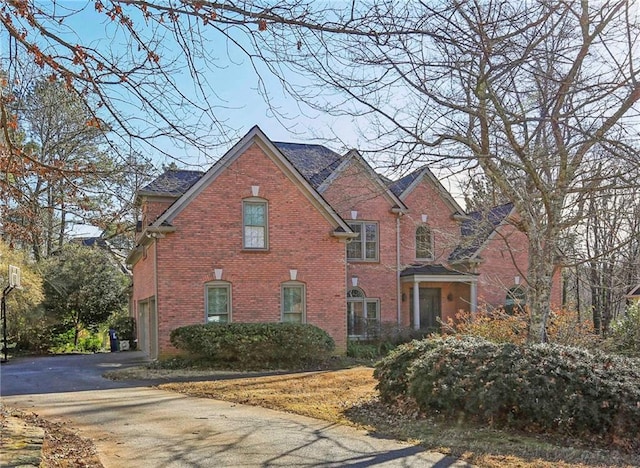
(148, 235)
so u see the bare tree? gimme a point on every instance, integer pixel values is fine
(534, 93)
(149, 75)
(612, 250)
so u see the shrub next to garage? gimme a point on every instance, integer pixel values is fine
(255, 345)
(547, 388)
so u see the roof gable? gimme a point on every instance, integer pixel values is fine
(254, 136)
(477, 229)
(354, 157)
(405, 185)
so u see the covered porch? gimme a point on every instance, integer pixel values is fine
(434, 293)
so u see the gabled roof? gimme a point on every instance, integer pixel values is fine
(477, 228)
(255, 136)
(172, 183)
(354, 156)
(405, 185)
(314, 162)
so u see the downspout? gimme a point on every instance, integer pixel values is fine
(398, 265)
(156, 333)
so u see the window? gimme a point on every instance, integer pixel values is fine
(218, 302)
(363, 315)
(293, 302)
(365, 246)
(424, 243)
(254, 221)
(515, 301)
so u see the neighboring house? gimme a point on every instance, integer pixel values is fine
(296, 232)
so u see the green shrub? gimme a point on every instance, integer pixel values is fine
(393, 371)
(255, 345)
(547, 388)
(624, 337)
(362, 350)
(88, 342)
(125, 327)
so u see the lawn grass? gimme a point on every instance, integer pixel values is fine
(349, 397)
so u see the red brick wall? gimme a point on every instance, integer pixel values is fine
(425, 199)
(209, 236)
(144, 284)
(353, 190)
(505, 257)
(152, 208)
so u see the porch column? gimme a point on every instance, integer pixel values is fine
(474, 297)
(416, 305)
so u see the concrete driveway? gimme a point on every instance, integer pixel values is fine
(134, 425)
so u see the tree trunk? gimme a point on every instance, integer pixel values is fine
(76, 331)
(540, 281)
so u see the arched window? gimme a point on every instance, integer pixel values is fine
(363, 315)
(516, 300)
(424, 243)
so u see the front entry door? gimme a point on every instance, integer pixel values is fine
(430, 310)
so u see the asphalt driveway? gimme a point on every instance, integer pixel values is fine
(135, 425)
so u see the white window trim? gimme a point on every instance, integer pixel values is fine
(363, 247)
(294, 284)
(262, 201)
(431, 246)
(218, 284)
(364, 301)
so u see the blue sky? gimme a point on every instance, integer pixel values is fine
(235, 83)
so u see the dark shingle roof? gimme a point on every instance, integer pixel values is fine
(401, 184)
(635, 292)
(436, 270)
(314, 162)
(172, 183)
(477, 228)
(92, 241)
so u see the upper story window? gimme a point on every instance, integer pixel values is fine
(218, 302)
(293, 302)
(255, 229)
(365, 246)
(424, 243)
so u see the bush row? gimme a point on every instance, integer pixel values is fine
(547, 388)
(255, 345)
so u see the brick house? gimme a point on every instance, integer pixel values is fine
(296, 232)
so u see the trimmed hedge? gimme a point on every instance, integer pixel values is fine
(255, 345)
(546, 388)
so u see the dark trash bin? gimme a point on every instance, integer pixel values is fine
(113, 340)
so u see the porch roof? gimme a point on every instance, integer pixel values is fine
(435, 274)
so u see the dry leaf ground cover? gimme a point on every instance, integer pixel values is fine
(62, 446)
(349, 397)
